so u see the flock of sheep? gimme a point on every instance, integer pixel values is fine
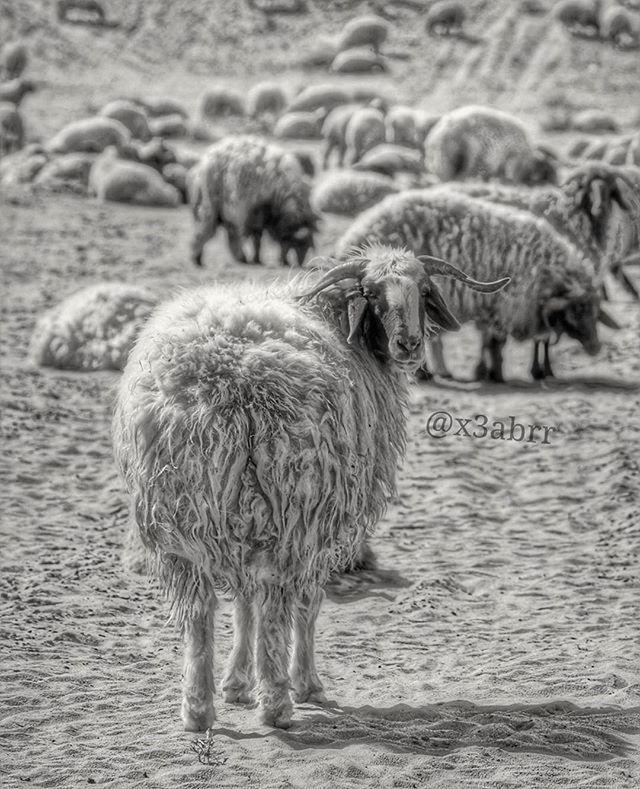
(259, 432)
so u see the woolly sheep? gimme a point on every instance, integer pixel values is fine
(15, 90)
(358, 61)
(15, 57)
(363, 31)
(176, 175)
(619, 26)
(130, 116)
(11, 129)
(553, 288)
(299, 125)
(90, 135)
(266, 98)
(258, 434)
(168, 126)
(320, 97)
(220, 102)
(594, 122)
(482, 142)
(364, 131)
(348, 193)
(120, 181)
(446, 17)
(578, 15)
(334, 131)
(164, 105)
(250, 186)
(155, 153)
(390, 159)
(94, 329)
(402, 126)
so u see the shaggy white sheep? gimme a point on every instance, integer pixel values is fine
(130, 116)
(259, 435)
(363, 31)
(299, 125)
(123, 181)
(266, 98)
(483, 143)
(90, 135)
(220, 102)
(68, 172)
(348, 193)
(93, 329)
(358, 61)
(168, 126)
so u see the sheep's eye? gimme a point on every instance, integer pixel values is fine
(370, 295)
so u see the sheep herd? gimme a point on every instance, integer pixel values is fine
(258, 432)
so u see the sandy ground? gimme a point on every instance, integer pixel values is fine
(498, 644)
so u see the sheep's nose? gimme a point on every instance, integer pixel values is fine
(409, 344)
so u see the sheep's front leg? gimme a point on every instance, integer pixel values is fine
(204, 230)
(495, 352)
(274, 613)
(548, 371)
(304, 677)
(537, 372)
(198, 686)
(239, 681)
(235, 244)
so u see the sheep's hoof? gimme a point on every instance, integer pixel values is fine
(279, 718)
(197, 718)
(237, 696)
(311, 695)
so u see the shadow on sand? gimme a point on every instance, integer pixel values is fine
(575, 383)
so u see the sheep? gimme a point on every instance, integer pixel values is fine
(348, 193)
(168, 126)
(334, 131)
(358, 61)
(402, 126)
(299, 125)
(130, 116)
(258, 435)
(90, 135)
(220, 102)
(16, 89)
(390, 159)
(22, 166)
(579, 16)
(266, 98)
(364, 131)
(554, 287)
(176, 174)
(11, 129)
(69, 172)
(363, 31)
(619, 26)
(165, 105)
(15, 57)
(122, 181)
(93, 329)
(249, 186)
(90, 9)
(482, 142)
(320, 97)
(594, 122)
(155, 153)
(446, 18)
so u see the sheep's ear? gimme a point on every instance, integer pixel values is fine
(356, 310)
(437, 310)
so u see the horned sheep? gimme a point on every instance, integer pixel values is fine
(258, 434)
(554, 287)
(483, 143)
(248, 186)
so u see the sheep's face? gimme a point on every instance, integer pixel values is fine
(578, 317)
(540, 170)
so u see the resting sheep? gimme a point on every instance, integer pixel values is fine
(250, 186)
(220, 102)
(483, 143)
(122, 181)
(266, 98)
(90, 135)
(93, 329)
(358, 61)
(348, 193)
(446, 18)
(390, 159)
(129, 115)
(15, 57)
(258, 434)
(363, 31)
(554, 287)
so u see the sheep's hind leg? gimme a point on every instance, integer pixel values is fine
(495, 352)
(274, 612)
(198, 686)
(304, 677)
(235, 244)
(548, 371)
(537, 372)
(204, 230)
(239, 680)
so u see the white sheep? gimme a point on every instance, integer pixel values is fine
(11, 129)
(364, 131)
(123, 181)
(402, 126)
(594, 122)
(14, 59)
(363, 31)
(163, 105)
(320, 97)
(348, 193)
(483, 143)
(130, 116)
(333, 132)
(22, 166)
(90, 135)
(259, 434)
(446, 18)
(68, 172)
(220, 102)
(266, 98)
(168, 126)
(390, 160)
(299, 125)
(93, 329)
(358, 61)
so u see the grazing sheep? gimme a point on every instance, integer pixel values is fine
(92, 10)
(130, 116)
(579, 16)
(94, 329)
(364, 131)
(220, 102)
(320, 97)
(554, 288)
(348, 193)
(446, 18)
(594, 122)
(15, 57)
(334, 131)
(15, 90)
(11, 129)
(620, 26)
(358, 61)
(168, 126)
(250, 186)
(90, 135)
(176, 174)
(258, 434)
(299, 125)
(483, 143)
(363, 31)
(390, 159)
(266, 98)
(123, 181)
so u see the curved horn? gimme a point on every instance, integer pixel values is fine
(347, 270)
(437, 266)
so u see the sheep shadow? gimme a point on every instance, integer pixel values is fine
(368, 582)
(575, 383)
